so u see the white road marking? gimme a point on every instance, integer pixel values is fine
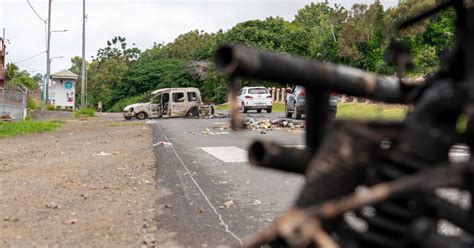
(296, 146)
(227, 154)
(221, 219)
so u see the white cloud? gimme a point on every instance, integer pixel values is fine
(141, 21)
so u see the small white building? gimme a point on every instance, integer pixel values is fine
(63, 89)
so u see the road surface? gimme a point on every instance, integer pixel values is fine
(214, 197)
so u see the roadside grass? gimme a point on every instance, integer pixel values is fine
(10, 129)
(354, 110)
(370, 111)
(278, 107)
(85, 112)
(121, 124)
(224, 106)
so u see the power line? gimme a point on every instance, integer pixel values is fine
(31, 68)
(31, 6)
(34, 56)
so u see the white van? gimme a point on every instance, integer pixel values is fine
(170, 102)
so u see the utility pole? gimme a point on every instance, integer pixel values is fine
(48, 60)
(83, 74)
(2, 59)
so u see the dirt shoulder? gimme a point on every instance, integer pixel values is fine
(92, 183)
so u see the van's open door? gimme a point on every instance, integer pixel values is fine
(155, 106)
(178, 104)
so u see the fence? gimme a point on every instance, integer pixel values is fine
(13, 103)
(279, 95)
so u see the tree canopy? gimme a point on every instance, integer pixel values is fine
(358, 37)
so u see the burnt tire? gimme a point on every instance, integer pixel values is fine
(193, 112)
(142, 116)
(297, 114)
(243, 108)
(288, 114)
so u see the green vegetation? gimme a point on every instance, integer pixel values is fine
(85, 112)
(355, 110)
(13, 77)
(371, 111)
(122, 103)
(357, 37)
(224, 106)
(32, 104)
(278, 107)
(10, 129)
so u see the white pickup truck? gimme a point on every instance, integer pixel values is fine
(170, 102)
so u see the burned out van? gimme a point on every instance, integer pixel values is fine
(170, 102)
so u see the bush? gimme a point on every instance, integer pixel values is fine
(50, 107)
(85, 112)
(118, 106)
(32, 104)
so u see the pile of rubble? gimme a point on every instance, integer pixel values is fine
(267, 124)
(216, 116)
(6, 117)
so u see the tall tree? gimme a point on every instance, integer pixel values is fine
(375, 45)
(323, 24)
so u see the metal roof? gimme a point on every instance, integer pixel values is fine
(64, 74)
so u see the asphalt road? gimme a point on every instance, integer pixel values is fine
(216, 198)
(213, 197)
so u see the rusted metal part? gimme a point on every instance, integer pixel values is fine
(301, 226)
(236, 118)
(298, 229)
(340, 164)
(241, 61)
(262, 238)
(271, 155)
(443, 176)
(398, 165)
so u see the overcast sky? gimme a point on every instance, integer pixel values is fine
(140, 21)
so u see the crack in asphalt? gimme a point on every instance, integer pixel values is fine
(221, 219)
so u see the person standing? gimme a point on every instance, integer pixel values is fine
(99, 106)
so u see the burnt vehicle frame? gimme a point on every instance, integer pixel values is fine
(170, 102)
(399, 164)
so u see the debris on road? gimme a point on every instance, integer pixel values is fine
(149, 240)
(209, 132)
(163, 143)
(51, 205)
(220, 125)
(220, 115)
(71, 221)
(6, 117)
(267, 124)
(168, 206)
(228, 204)
(103, 154)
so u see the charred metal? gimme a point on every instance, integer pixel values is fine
(394, 168)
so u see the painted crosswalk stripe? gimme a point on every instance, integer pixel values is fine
(227, 154)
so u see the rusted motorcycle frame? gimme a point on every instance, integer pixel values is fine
(391, 167)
